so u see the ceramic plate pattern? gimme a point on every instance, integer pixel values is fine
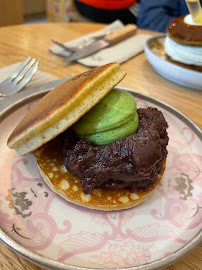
(45, 228)
(185, 75)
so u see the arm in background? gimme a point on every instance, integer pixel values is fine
(157, 14)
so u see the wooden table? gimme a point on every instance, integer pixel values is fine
(18, 42)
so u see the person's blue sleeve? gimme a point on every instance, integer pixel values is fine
(157, 14)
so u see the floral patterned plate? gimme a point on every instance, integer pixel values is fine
(44, 228)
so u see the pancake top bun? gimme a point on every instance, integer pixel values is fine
(184, 33)
(63, 106)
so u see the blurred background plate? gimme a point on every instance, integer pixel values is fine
(173, 71)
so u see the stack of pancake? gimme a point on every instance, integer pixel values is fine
(183, 43)
(117, 175)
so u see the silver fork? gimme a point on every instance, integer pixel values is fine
(70, 50)
(21, 76)
(63, 46)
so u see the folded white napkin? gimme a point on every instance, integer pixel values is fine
(39, 77)
(120, 52)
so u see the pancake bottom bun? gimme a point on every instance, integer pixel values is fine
(63, 106)
(50, 161)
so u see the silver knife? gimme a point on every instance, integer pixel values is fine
(7, 101)
(109, 40)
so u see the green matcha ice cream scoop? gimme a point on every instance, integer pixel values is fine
(112, 135)
(113, 118)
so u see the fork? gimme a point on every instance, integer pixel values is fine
(71, 49)
(21, 76)
(63, 46)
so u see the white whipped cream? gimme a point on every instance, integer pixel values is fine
(185, 54)
(189, 20)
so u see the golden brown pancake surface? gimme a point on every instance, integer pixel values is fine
(184, 33)
(63, 106)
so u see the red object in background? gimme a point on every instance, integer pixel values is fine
(109, 4)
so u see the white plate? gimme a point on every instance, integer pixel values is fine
(154, 51)
(44, 228)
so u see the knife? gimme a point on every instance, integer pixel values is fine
(109, 40)
(10, 100)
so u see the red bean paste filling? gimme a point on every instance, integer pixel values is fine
(131, 163)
